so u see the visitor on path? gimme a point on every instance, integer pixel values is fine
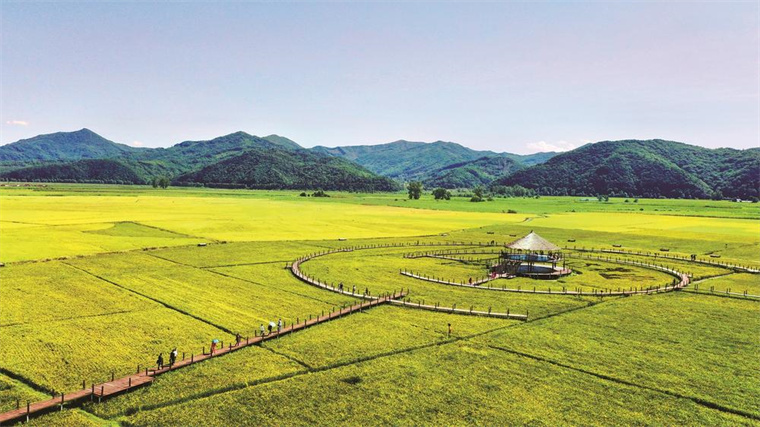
(160, 360)
(471, 280)
(279, 325)
(366, 291)
(354, 290)
(261, 328)
(340, 286)
(237, 339)
(213, 346)
(173, 357)
(449, 335)
(270, 327)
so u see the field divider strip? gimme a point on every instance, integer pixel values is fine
(26, 381)
(289, 357)
(166, 305)
(271, 287)
(243, 264)
(732, 295)
(65, 319)
(697, 400)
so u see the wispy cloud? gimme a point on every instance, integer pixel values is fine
(541, 146)
(17, 123)
(137, 144)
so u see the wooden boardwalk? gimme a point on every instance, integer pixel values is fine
(97, 392)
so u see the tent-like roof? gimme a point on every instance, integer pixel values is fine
(533, 242)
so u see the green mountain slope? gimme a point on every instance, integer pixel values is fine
(287, 169)
(471, 174)
(282, 141)
(651, 168)
(192, 155)
(408, 160)
(82, 144)
(106, 171)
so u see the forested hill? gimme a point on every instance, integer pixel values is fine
(192, 155)
(651, 168)
(82, 144)
(287, 169)
(470, 174)
(102, 171)
(408, 160)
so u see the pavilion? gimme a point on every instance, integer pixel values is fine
(531, 256)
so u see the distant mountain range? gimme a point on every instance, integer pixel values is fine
(408, 160)
(651, 168)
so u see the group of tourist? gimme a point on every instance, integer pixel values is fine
(271, 326)
(172, 359)
(353, 290)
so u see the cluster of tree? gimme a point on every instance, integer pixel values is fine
(318, 193)
(414, 189)
(160, 181)
(512, 191)
(441, 194)
(478, 194)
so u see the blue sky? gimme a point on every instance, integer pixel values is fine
(503, 76)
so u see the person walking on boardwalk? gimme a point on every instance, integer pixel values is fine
(279, 325)
(173, 357)
(270, 326)
(449, 335)
(340, 286)
(237, 339)
(354, 290)
(213, 346)
(261, 328)
(160, 360)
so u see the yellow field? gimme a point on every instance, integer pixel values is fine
(38, 227)
(64, 321)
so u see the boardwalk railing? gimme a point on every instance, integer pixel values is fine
(295, 268)
(737, 267)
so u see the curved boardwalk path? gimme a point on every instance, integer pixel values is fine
(736, 267)
(684, 280)
(124, 384)
(295, 268)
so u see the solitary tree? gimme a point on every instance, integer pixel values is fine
(163, 182)
(415, 189)
(441, 194)
(477, 194)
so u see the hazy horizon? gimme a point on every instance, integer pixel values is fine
(504, 77)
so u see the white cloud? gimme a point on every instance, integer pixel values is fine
(138, 144)
(17, 123)
(542, 146)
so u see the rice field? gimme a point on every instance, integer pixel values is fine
(133, 282)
